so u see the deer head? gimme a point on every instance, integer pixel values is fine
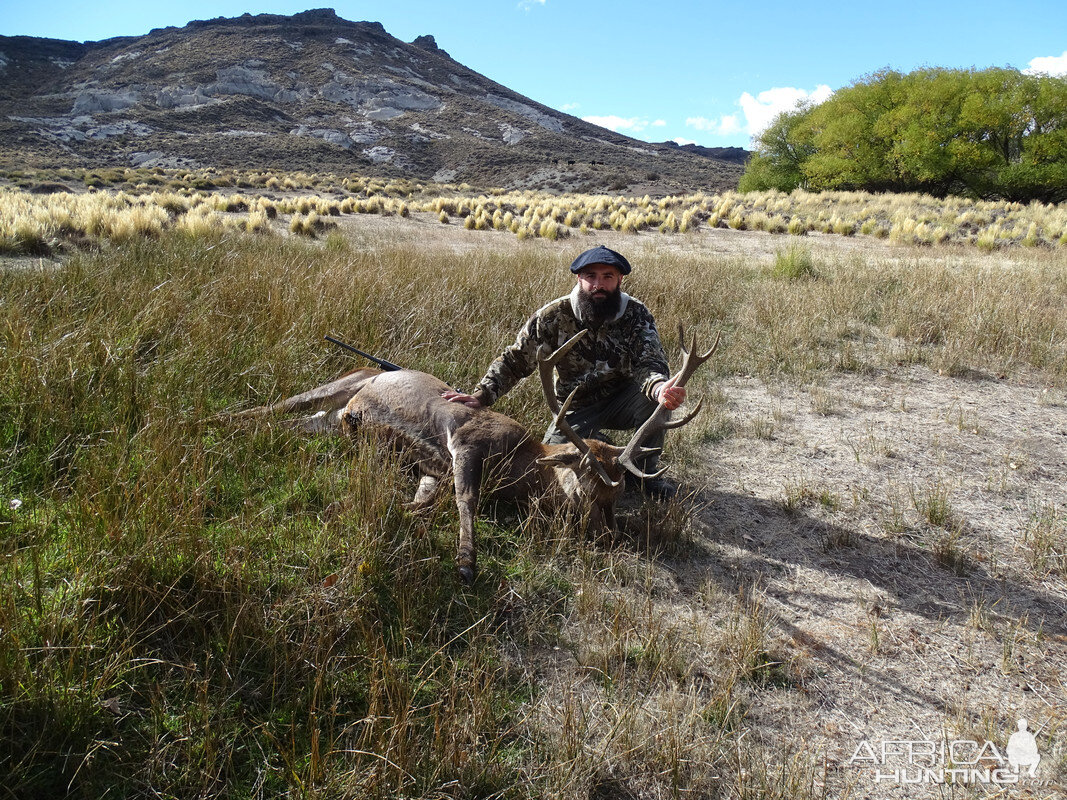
(604, 462)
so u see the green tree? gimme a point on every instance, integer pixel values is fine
(987, 133)
(850, 141)
(779, 157)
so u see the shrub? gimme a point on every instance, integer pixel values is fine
(842, 227)
(796, 263)
(988, 238)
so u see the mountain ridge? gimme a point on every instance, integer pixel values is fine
(315, 92)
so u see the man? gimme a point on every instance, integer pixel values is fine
(619, 367)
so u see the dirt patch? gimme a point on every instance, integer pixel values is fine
(888, 525)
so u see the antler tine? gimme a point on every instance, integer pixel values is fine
(677, 423)
(583, 446)
(547, 362)
(691, 359)
(660, 419)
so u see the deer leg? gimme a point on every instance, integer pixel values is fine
(320, 406)
(429, 486)
(468, 478)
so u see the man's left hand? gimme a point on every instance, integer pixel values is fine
(671, 396)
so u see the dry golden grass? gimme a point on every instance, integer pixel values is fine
(36, 223)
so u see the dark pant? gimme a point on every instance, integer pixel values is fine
(626, 411)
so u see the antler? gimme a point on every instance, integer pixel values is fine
(546, 363)
(561, 423)
(660, 419)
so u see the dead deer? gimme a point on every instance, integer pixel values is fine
(482, 449)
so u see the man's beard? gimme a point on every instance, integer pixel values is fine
(597, 308)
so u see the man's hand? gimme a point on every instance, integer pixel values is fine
(469, 400)
(669, 395)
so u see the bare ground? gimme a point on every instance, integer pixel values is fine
(902, 628)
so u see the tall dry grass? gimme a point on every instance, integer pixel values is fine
(191, 610)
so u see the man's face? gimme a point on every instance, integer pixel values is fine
(599, 280)
(599, 291)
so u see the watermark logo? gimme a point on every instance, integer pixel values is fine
(959, 761)
(1022, 750)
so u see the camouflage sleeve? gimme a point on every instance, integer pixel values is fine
(650, 361)
(516, 362)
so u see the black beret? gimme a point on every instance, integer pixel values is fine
(601, 255)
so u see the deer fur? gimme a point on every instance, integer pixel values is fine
(481, 450)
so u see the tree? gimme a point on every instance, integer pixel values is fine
(849, 137)
(779, 157)
(988, 133)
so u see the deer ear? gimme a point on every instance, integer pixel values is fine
(566, 457)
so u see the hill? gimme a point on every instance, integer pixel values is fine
(313, 92)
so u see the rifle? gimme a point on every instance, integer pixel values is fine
(389, 366)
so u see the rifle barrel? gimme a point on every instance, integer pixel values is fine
(381, 362)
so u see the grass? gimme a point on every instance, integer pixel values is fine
(190, 610)
(43, 212)
(794, 264)
(1046, 538)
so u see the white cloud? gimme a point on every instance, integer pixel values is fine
(623, 124)
(659, 123)
(758, 112)
(568, 107)
(1048, 65)
(526, 5)
(723, 126)
(678, 140)
(761, 110)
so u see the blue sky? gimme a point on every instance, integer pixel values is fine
(708, 72)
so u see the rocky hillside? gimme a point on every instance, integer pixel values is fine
(318, 93)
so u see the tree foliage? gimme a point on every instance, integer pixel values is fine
(983, 133)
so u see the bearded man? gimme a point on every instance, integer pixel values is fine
(619, 367)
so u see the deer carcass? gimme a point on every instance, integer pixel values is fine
(481, 449)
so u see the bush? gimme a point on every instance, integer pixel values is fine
(796, 263)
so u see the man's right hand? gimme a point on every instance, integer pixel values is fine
(469, 400)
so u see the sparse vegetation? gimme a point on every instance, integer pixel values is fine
(35, 224)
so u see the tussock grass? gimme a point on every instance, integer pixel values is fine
(794, 264)
(194, 610)
(34, 223)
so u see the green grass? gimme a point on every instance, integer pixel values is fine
(794, 264)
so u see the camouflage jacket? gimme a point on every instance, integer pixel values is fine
(625, 349)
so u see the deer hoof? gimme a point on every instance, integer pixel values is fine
(466, 574)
